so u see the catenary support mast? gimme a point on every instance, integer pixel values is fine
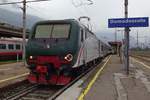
(126, 40)
(24, 30)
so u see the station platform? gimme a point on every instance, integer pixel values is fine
(12, 72)
(112, 83)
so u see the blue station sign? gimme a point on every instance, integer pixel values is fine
(128, 22)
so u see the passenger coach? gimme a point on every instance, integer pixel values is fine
(10, 49)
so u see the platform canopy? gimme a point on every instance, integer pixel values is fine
(116, 45)
(7, 30)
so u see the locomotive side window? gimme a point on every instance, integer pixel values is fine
(10, 46)
(2, 46)
(82, 35)
(86, 32)
(17, 47)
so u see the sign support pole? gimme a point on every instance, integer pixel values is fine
(126, 40)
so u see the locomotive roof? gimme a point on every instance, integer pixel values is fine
(56, 21)
(66, 21)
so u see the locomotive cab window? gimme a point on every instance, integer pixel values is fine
(43, 31)
(52, 31)
(2, 46)
(61, 31)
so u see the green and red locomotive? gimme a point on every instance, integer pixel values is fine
(58, 49)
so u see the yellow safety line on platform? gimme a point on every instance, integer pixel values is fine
(141, 63)
(12, 78)
(93, 80)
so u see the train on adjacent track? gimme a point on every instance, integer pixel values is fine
(59, 50)
(10, 49)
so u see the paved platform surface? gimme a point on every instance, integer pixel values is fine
(10, 73)
(114, 84)
(74, 91)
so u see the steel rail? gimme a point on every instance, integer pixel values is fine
(22, 93)
(145, 58)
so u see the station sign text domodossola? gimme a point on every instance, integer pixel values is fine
(128, 22)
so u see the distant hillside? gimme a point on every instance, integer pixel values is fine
(15, 18)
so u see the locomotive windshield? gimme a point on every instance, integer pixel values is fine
(52, 31)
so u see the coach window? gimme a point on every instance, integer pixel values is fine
(2, 46)
(17, 47)
(10, 46)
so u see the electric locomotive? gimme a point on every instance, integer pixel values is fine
(58, 49)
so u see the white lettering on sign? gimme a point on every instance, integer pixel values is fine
(128, 21)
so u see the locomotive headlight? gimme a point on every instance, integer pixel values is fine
(31, 57)
(68, 57)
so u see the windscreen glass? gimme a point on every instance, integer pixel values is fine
(52, 31)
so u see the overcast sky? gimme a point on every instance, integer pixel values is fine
(99, 12)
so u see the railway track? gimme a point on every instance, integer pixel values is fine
(11, 90)
(26, 91)
(142, 57)
(37, 92)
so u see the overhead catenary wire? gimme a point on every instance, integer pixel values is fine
(82, 3)
(8, 3)
(90, 2)
(28, 7)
